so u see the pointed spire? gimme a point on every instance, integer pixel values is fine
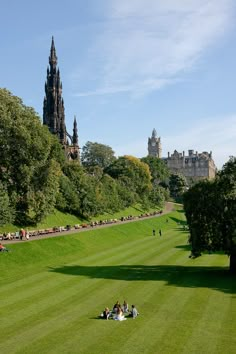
(75, 123)
(75, 133)
(53, 56)
(154, 133)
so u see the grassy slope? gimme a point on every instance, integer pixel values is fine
(62, 219)
(52, 291)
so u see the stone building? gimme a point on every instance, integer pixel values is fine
(154, 145)
(194, 166)
(54, 111)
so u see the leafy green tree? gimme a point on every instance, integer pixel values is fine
(6, 211)
(210, 208)
(178, 185)
(95, 154)
(26, 153)
(132, 173)
(108, 194)
(67, 198)
(86, 186)
(158, 168)
(157, 196)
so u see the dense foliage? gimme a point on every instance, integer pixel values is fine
(158, 168)
(210, 208)
(28, 159)
(95, 154)
(177, 185)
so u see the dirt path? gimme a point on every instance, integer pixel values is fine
(168, 208)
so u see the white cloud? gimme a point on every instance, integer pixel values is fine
(146, 44)
(216, 134)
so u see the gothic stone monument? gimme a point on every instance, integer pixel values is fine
(54, 111)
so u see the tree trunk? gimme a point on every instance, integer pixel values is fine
(232, 263)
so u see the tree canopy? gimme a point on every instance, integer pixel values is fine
(210, 208)
(178, 185)
(132, 173)
(158, 169)
(95, 154)
(29, 171)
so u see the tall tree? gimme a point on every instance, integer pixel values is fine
(158, 168)
(132, 173)
(95, 154)
(210, 208)
(6, 211)
(178, 185)
(26, 149)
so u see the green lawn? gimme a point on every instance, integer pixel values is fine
(52, 291)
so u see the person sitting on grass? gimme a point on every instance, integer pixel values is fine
(3, 248)
(125, 307)
(106, 313)
(119, 315)
(116, 306)
(134, 312)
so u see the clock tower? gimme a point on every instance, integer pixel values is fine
(154, 145)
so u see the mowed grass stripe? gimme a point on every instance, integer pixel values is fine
(208, 328)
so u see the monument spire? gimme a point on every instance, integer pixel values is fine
(54, 111)
(53, 56)
(53, 107)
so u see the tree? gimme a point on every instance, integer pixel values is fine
(86, 187)
(178, 185)
(210, 208)
(157, 196)
(95, 154)
(67, 198)
(28, 154)
(132, 173)
(6, 211)
(158, 168)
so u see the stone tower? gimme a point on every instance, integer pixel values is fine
(154, 145)
(54, 111)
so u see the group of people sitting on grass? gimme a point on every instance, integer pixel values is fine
(120, 312)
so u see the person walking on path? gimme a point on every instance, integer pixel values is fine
(160, 233)
(153, 232)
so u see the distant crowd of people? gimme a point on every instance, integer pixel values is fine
(23, 234)
(120, 312)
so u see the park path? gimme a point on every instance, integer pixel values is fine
(169, 206)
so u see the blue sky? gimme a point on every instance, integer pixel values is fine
(128, 66)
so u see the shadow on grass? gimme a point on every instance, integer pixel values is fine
(184, 247)
(217, 278)
(181, 211)
(178, 221)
